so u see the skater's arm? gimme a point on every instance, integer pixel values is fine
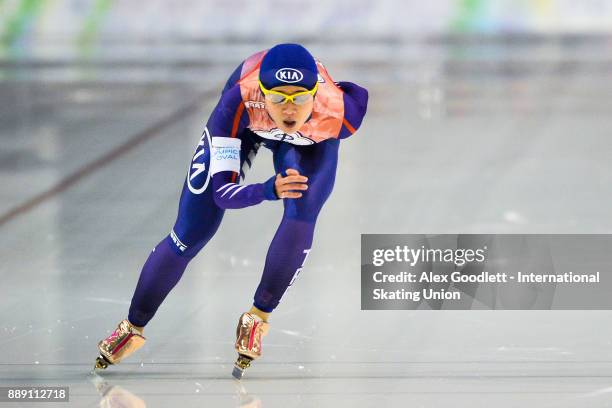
(225, 167)
(225, 124)
(355, 106)
(229, 194)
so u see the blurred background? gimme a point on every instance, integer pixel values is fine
(484, 117)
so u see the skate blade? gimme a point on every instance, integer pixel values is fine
(100, 363)
(241, 364)
(237, 373)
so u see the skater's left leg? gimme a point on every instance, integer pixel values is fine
(291, 243)
(293, 239)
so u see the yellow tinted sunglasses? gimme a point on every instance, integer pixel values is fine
(298, 98)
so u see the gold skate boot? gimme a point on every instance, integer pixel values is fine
(125, 340)
(248, 341)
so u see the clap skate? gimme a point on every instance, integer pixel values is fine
(248, 342)
(125, 340)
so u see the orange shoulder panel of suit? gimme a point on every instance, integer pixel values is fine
(329, 108)
(325, 74)
(252, 63)
(249, 89)
(323, 71)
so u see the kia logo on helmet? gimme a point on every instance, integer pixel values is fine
(289, 75)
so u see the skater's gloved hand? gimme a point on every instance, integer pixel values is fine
(285, 187)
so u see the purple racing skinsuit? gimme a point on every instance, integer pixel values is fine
(236, 129)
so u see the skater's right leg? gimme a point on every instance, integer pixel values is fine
(160, 273)
(198, 220)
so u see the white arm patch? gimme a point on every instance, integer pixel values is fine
(225, 155)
